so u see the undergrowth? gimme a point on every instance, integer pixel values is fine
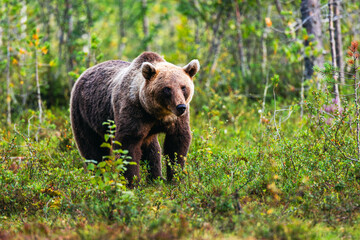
(263, 174)
(240, 179)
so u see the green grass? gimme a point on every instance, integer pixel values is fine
(241, 181)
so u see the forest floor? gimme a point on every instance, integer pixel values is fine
(242, 180)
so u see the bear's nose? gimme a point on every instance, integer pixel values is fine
(181, 108)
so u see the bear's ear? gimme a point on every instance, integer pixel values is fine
(148, 70)
(192, 68)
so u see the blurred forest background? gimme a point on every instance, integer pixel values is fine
(47, 44)
(275, 120)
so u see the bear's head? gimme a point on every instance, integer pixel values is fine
(168, 89)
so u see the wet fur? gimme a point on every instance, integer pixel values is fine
(117, 90)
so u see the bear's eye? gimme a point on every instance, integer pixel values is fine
(183, 88)
(167, 91)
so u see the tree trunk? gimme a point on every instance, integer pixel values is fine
(214, 48)
(38, 91)
(264, 61)
(69, 43)
(338, 41)
(8, 80)
(45, 18)
(121, 44)
(311, 19)
(279, 9)
(214, 54)
(89, 25)
(197, 36)
(240, 40)
(264, 52)
(23, 57)
(216, 57)
(333, 52)
(61, 23)
(145, 25)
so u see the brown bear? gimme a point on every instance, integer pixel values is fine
(145, 97)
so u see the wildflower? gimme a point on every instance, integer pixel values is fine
(355, 44)
(352, 49)
(264, 120)
(268, 22)
(22, 51)
(44, 50)
(35, 36)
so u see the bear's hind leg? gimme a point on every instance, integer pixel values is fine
(151, 152)
(88, 141)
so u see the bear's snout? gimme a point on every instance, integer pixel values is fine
(180, 109)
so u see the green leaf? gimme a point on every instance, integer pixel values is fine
(98, 173)
(105, 145)
(121, 167)
(91, 167)
(119, 161)
(106, 176)
(102, 164)
(106, 137)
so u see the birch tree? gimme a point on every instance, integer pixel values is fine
(311, 20)
(145, 25)
(333, 52)
(8, 77)
(338, 40)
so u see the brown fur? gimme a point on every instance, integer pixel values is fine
(134, 96)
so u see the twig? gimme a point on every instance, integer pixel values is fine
(333, 52)
(339, 149)
(264, 98)
(29, 124)
(8, 97)
(38, 92)
(356, 109)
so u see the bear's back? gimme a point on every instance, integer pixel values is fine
(91, 94)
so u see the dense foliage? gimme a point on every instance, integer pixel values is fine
(273, 156)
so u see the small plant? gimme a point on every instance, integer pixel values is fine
(339, 125)
(109, 173)
(108, 182)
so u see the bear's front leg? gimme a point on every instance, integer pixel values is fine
(176, 145)
(151, 152)
(134, 151)
(131, 132)
(132, 143)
